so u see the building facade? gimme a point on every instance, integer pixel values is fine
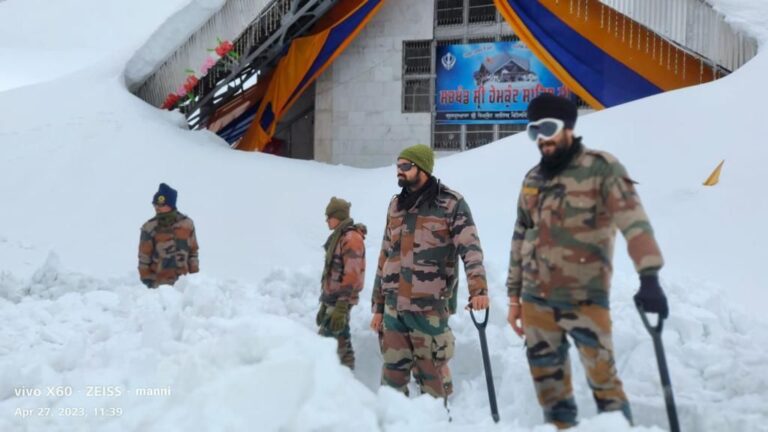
(378, 96)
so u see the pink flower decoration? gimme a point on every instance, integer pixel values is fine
(181, 91)
(207, 65)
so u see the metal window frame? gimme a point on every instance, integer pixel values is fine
(469, 8)
(434, 132)
(410, 76)
(415, 97)
(484, 128)
(463, 15)
(410, 46)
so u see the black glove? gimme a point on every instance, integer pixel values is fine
(320, 315)
(339, 316)
(650, 297)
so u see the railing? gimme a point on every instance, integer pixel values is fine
(692, 24)
(259, 45)
(245, 21)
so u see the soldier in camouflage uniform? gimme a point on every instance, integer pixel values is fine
(428, 227)
(168, 246)
(560, 266)
(343, 277)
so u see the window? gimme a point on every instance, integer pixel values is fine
(509, 38)
(482, 11)
(510, 129)
(444, 42)
(449, 12)
(479, 135)
(416, 95)
(480, 39)
(417, 76)
(447, 137)
(417, 57)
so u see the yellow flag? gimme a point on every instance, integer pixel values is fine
(715, 176)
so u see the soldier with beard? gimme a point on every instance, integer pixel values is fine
(428, 227)
(560, 266)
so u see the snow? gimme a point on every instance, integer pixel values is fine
(748, 17)
(235, 344)
(168, 37)
(42, 40)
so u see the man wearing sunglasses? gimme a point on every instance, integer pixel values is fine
(560, 266)
(428, 227)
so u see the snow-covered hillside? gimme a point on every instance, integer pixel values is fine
(80, 158)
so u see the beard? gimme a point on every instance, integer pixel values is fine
(557, 156)
(403, 182)
(556, 162)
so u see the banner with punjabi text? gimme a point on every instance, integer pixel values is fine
(489, 83)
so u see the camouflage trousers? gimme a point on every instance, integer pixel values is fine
(343, 337)
(589, 326)
(418, 342)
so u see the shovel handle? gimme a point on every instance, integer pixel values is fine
(486, 364)
(480, 325)
(653, 330)
(661, 359)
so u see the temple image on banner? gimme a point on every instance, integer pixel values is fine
(504, 68)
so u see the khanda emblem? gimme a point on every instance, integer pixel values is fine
(161, 199)
(448, 61)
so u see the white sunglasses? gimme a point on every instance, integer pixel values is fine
(545, 128)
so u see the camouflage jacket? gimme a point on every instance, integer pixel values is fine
(562, 246)
(167, 250)
(417, 264)
(347, 273)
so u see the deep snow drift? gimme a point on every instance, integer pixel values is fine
(80, 159)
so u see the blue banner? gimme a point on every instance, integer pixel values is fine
(489, 83)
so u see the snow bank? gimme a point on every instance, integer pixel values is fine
(171, 35)
(234, 17)
(235, 354)
(218, 361)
